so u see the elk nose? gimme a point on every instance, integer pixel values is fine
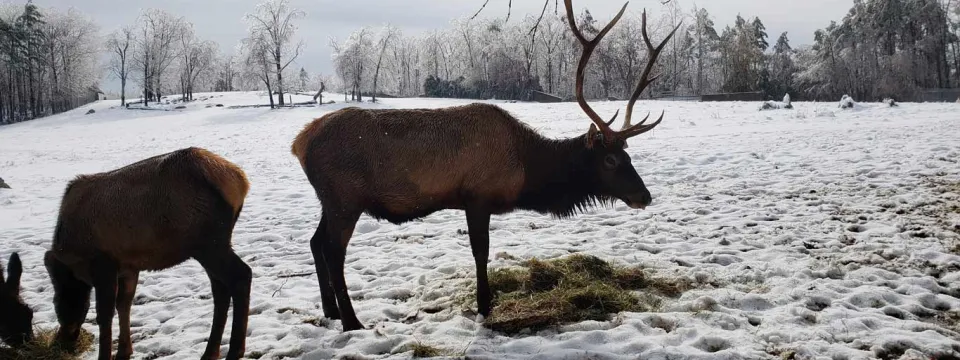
(645, 198)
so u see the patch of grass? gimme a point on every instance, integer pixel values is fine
(43, 348)
(421, 350)
(571, 289)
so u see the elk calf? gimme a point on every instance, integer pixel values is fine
(150, 215)
(400, 165)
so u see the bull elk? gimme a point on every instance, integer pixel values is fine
(400, 165)
(149, 215)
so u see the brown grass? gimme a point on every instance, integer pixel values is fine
(42, 348)
(572, 289)
(421, 350)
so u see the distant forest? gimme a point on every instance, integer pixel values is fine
(52, 60)
(881, 48)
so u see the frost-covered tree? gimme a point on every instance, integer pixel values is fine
(49, 61)
(274, 23)
(157, 48)
(257, 63)
(352, 60)
(196, 59)
(227, 72)
(304, 79)
(119, 45)
(706, 45)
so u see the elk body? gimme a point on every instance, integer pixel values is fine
(400, 165)
(147, 216)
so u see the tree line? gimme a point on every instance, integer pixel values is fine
(48, 61)
(161, 53)
(51, 60)
(881, 48)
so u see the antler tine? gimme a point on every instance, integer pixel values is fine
(640, 128)
(644, 119)
(614, 118)
(645, 79)
(588, 47)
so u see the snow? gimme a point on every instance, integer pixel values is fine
(776, 105)
(846, 102)
(814, 231)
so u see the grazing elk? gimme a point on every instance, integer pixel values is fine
(17, 326)
(150, 215)
(399, 165)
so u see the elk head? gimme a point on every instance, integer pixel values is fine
(617, 177)
(16, 325)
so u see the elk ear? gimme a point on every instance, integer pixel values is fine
(14, 272)
(592, 136)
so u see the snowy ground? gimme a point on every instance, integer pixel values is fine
(818, 231)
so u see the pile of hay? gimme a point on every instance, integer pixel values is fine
(568, 290)
(42, 348)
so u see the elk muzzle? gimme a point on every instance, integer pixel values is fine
(638, 200)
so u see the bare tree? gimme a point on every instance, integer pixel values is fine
(227, 72)
(273, 22)
(350, 58)
(157, 49)
(386, 36)
(196, 58)
(257, 64)
(119, 45)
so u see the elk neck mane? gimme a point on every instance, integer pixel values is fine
(557, 177)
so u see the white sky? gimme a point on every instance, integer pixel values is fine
(222, 20)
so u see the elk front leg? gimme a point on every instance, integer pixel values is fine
(71, 301)
(478, 225)
(105, 283)
(125, 292)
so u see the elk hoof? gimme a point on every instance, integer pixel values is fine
(351, 326)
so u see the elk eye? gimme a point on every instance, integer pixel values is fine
(610, 161)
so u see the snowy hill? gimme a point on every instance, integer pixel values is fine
(818, 231)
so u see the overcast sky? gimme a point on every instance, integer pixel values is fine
(222, 20)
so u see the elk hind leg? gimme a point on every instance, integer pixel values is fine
(339, 230)
(327, 297)
(230, 275)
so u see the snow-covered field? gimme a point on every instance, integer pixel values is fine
(821, 232)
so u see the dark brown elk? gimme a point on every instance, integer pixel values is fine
(146, 216)
(400, 165)
(17, 326)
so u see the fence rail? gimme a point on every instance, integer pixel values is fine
(939, 95)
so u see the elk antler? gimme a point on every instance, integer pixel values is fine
(588, 47)
(628, 130)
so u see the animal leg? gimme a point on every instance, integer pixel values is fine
(478, 225)
(221, 304)
(327, 297)
(71, 301)
(105, 283)
(234, 274)
(125, 292)
(339, 230)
